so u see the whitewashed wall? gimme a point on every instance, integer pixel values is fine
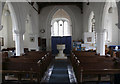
(6, 32)
(46, 17)
(118, 4)
(21, 11)
(98, 8)
(27, 9)
(42, 21)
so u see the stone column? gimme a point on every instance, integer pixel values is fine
(0, 12)
(1, 27)
(101, 43)
(0, 16)
(0, 45)
(19, 44)
(36, 42)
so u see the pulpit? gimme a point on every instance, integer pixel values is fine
(61, 55)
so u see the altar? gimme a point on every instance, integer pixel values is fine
(60, 55)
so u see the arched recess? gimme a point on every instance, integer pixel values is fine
(49, 18)
(110, 22)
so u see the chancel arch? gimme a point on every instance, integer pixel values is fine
(51, 17)
(61, 30)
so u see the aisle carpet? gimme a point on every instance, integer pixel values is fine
(60, 72)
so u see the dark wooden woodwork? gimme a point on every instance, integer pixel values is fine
(86, 63)
(43, 44)
(45, 4)
(39, 41)
(33, 63)
(118, 54)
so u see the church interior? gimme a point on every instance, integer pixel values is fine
(60, 42)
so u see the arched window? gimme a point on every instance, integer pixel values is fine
(61, 24)
(60, 27)
(55, 29)
(66, 30)
(91, 24)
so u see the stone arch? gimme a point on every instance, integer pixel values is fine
(9, 23)
(18, 24)
(110, 13)
(6, 31)
(101, 31)
(13, 16)
(61, 13)
(49, 18)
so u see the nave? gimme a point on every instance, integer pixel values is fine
(33, 34)
(48, 70)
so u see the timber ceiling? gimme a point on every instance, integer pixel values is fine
(45, 4)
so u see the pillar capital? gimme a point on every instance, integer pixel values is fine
(18, 32)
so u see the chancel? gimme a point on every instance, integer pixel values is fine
(59, 42)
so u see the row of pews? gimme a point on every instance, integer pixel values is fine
(28, 67)
(90, 63)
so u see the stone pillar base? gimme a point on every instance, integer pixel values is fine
(60, 57)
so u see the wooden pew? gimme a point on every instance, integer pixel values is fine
(93, 65)
(31, 63)
(22, 68)
(118, 54)
(84, 53)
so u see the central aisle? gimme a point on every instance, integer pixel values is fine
(60, 72)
